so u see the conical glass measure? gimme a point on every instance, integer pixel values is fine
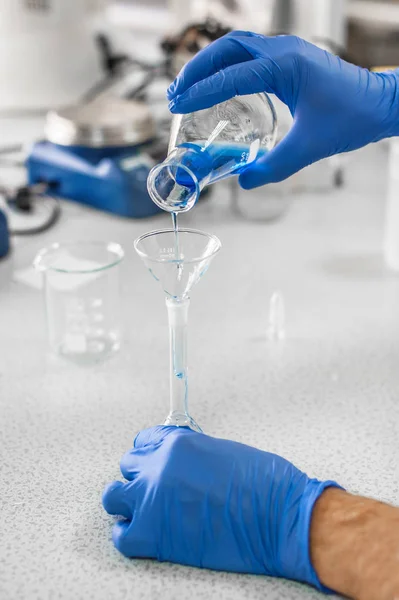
(209, 145)
(178, 262)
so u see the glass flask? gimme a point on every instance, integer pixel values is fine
(178, 260)
(81, 291)
(210, 145)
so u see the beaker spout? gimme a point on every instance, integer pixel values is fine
(176, 183)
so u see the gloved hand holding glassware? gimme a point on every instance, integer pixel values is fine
(207, 502)
(214, 503)
(337, 107)
(209, 145)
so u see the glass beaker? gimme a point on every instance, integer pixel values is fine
(81, 291)
(209, 145)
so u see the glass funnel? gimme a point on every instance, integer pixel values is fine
(209, 145)
(178, 261)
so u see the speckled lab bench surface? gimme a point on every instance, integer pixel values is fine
(327, 398)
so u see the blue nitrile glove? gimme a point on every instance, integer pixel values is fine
(337, 106)
(207, 502)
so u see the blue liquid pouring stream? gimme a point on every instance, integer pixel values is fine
(178, 347)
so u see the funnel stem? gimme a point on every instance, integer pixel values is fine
(178, 315)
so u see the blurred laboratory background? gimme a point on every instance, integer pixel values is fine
(84, 81)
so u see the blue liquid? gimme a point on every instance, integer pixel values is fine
(214, 162)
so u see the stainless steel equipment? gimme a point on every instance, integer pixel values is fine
(99, 154)
(105, 122)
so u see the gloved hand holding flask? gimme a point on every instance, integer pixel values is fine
(337, 107)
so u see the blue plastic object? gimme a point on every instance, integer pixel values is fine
(4, 235)
(214, 503)
(110, 179)
(337, 106)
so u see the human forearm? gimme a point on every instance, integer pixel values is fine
(354, 544)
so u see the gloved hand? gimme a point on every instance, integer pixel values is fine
(207, 502)
(337, 106)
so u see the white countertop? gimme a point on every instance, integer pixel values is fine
(327, 398)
